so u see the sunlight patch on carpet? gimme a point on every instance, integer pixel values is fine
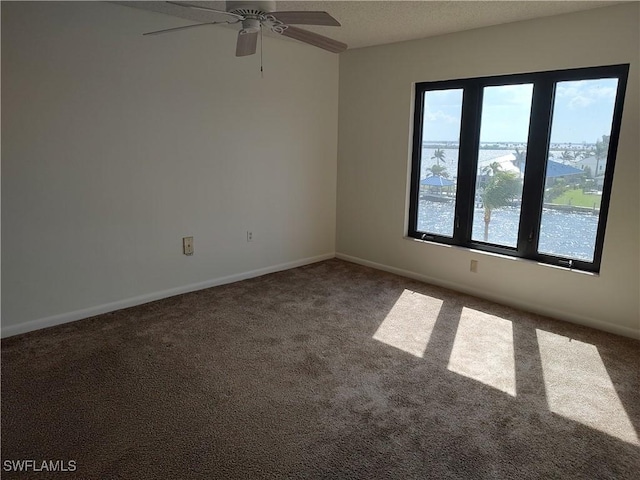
(579, 388)
(409, 323)
(483, 350)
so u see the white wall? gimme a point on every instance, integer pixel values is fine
(115, 146)
(374, 153)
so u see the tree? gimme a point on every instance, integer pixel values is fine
(437, 171)
(556, 189)
(587, 172)
(601, 150)
(567, 156)
(521, 157)
(501, 189)
(438, 155)
(491, 169)
(586, 153)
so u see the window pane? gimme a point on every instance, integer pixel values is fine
(439, 161)
(580, 130)
(504, 130)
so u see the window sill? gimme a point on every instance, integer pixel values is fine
(526, 261)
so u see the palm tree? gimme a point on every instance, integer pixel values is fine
(502, 188)
(438, 155)
(587, 172)
(492, 169)
(437, 171)
(521, 157)
(601, 150)
(586, 153)
(567, 156)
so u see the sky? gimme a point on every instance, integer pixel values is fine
(583, 111)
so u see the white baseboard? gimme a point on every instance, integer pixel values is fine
(150, 297)
(536, 308)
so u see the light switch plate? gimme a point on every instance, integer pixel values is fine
(187, 245)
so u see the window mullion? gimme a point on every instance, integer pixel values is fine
(467, 163)
(535, 167)
(415, 162)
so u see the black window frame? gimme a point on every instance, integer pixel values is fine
(538, 144)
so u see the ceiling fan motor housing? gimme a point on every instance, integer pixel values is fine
(251, 9)
(255, 14)
(250, 25)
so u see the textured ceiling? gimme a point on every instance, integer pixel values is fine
(367, 23)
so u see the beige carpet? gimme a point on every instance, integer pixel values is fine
(332, 370)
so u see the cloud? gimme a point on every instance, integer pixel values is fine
(510, 94)
(440, 116)
(580, 101)
(581, 94)
(603, 92)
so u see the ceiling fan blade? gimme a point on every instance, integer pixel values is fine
(246, 44)
(206, 9)
(314, 39)
(167, 30)
(306, 18)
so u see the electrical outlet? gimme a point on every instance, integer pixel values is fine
(474, 266)
(187, 245)
(249, 236)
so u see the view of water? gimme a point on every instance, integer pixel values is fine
(451, 158)
(562, 233)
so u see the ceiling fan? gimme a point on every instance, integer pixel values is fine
(256, 15)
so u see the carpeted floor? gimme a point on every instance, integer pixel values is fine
(332, 370)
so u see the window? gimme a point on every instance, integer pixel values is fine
(520, 165)
(442, 117)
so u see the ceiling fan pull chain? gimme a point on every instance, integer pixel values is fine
(261, 43)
